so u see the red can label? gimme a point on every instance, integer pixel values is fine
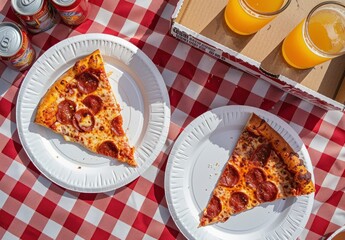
(74, 14)
(25, 56)
(42, 20)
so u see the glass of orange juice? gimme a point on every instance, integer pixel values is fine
(246, 17)
(318, 38)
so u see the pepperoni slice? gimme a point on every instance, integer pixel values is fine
(238, 201)
(94, 103)
(87, 82)
(266, 191)
(83, 120)
(229, 177)
(255, 176)
(261, 154)
(65, 111)
(108, 148)
(214, 208)
(116, 126)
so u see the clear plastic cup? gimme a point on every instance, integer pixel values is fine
(246, 17)
(318, 38)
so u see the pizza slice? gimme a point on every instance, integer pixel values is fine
(81, 106)
(262, 168)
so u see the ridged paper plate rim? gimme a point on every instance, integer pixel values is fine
(181, 187)
(147, 86)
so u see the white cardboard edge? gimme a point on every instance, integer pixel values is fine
(177, 9)
(339, 230)
(215, 49)
(311, 92)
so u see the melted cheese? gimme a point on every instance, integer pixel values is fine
(275, 170)
(66, 88)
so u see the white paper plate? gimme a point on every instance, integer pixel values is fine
(338, 231)
(193, 168)
(143, 97)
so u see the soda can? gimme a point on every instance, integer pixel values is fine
(72, 12)
(36, 15)
(16, 50)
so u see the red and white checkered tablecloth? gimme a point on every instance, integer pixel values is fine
(33, 207)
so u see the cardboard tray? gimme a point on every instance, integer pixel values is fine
(201, 24)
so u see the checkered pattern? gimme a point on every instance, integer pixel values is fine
(32, 207)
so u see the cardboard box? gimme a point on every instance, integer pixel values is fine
(201, 24)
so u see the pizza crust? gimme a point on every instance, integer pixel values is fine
(284, 150)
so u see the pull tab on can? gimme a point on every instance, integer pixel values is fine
(27, 2)
(36, 15)
(15, 48)
(5, 42)
(10, 40)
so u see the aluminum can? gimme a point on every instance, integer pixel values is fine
(36, 15)
(72, 12)
(15, 47)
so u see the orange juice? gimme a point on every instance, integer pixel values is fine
(325, 36)
(327, 31)
(248, 16)
(265, 6)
